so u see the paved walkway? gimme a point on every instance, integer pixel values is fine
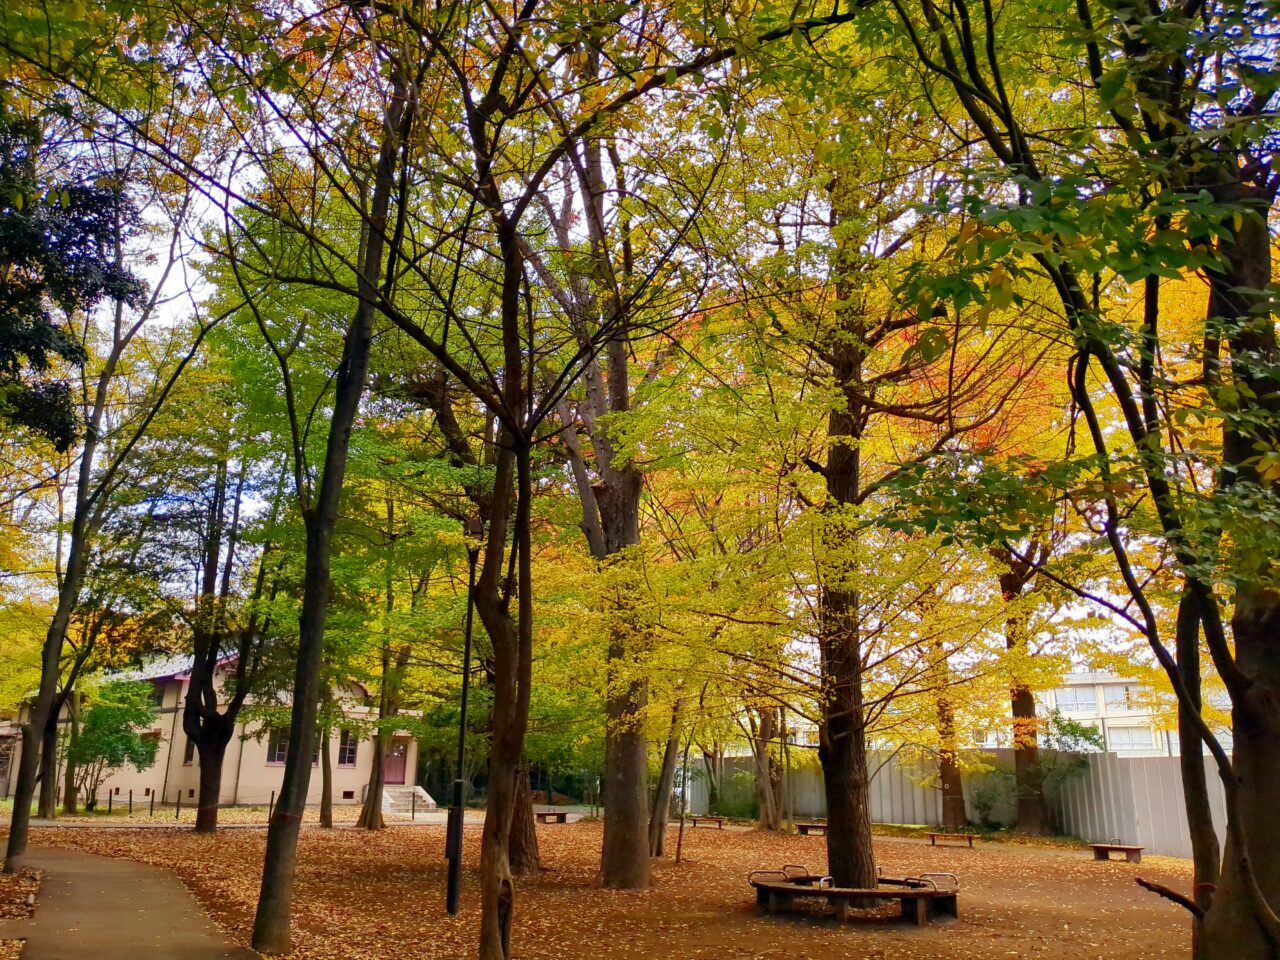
(108, 909)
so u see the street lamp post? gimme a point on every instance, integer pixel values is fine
(453, 840)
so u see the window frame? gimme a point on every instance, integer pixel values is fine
(277, 745)
(347, 741)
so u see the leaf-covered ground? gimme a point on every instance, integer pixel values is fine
(382, 896)
(15, 892)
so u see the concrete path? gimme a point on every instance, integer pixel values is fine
(108, 909)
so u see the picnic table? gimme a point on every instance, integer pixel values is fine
(552, 816)
(808, 828)
(920, 898)
(1103, 851)
(935, 837)
(718, 821)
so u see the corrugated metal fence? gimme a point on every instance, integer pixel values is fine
(1136, 799)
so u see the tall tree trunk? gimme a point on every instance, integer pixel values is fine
(842, 711)
(624, 862)
(1233, 927)
(326, 778)
(1032, 810)
(371, 812)
(661, 810)
(70, 799)
(1205, 848)
(512, 665)
(47, 807)
(522, 846)
(767, 774)
(953, 813)
(713, 764)
(275, 898)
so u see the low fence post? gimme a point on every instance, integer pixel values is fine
(131, 801)
(109, 796)
(177, 811)
(271, 804)
(413, 805)
(153, 804)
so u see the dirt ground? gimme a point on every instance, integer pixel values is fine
(382, 896)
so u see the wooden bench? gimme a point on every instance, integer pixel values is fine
(718, 821)
(808, 828)
(920, 899)
(552, 816)
(935, 837)
(1103, 851)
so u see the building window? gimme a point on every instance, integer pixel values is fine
(1076, 699)
(157, 693)
(189, 754)
(1118, 696)
(1129, 738)
(348, 794)
(277, 745)
(347, 748)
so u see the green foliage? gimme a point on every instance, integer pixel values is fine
(55, 243)
(1063, 743)
(111, 735)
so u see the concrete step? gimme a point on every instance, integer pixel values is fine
(401, 799)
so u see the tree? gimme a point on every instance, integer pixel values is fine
(110, 736)
(1178, 101)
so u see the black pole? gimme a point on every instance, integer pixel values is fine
(453, 842)
(271, 805)
(109, 795)
(152, 813)
(177, 811)
(131, 801)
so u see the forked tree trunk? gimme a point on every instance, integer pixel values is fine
(661, 810)
(522, 846)
(212, 752)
